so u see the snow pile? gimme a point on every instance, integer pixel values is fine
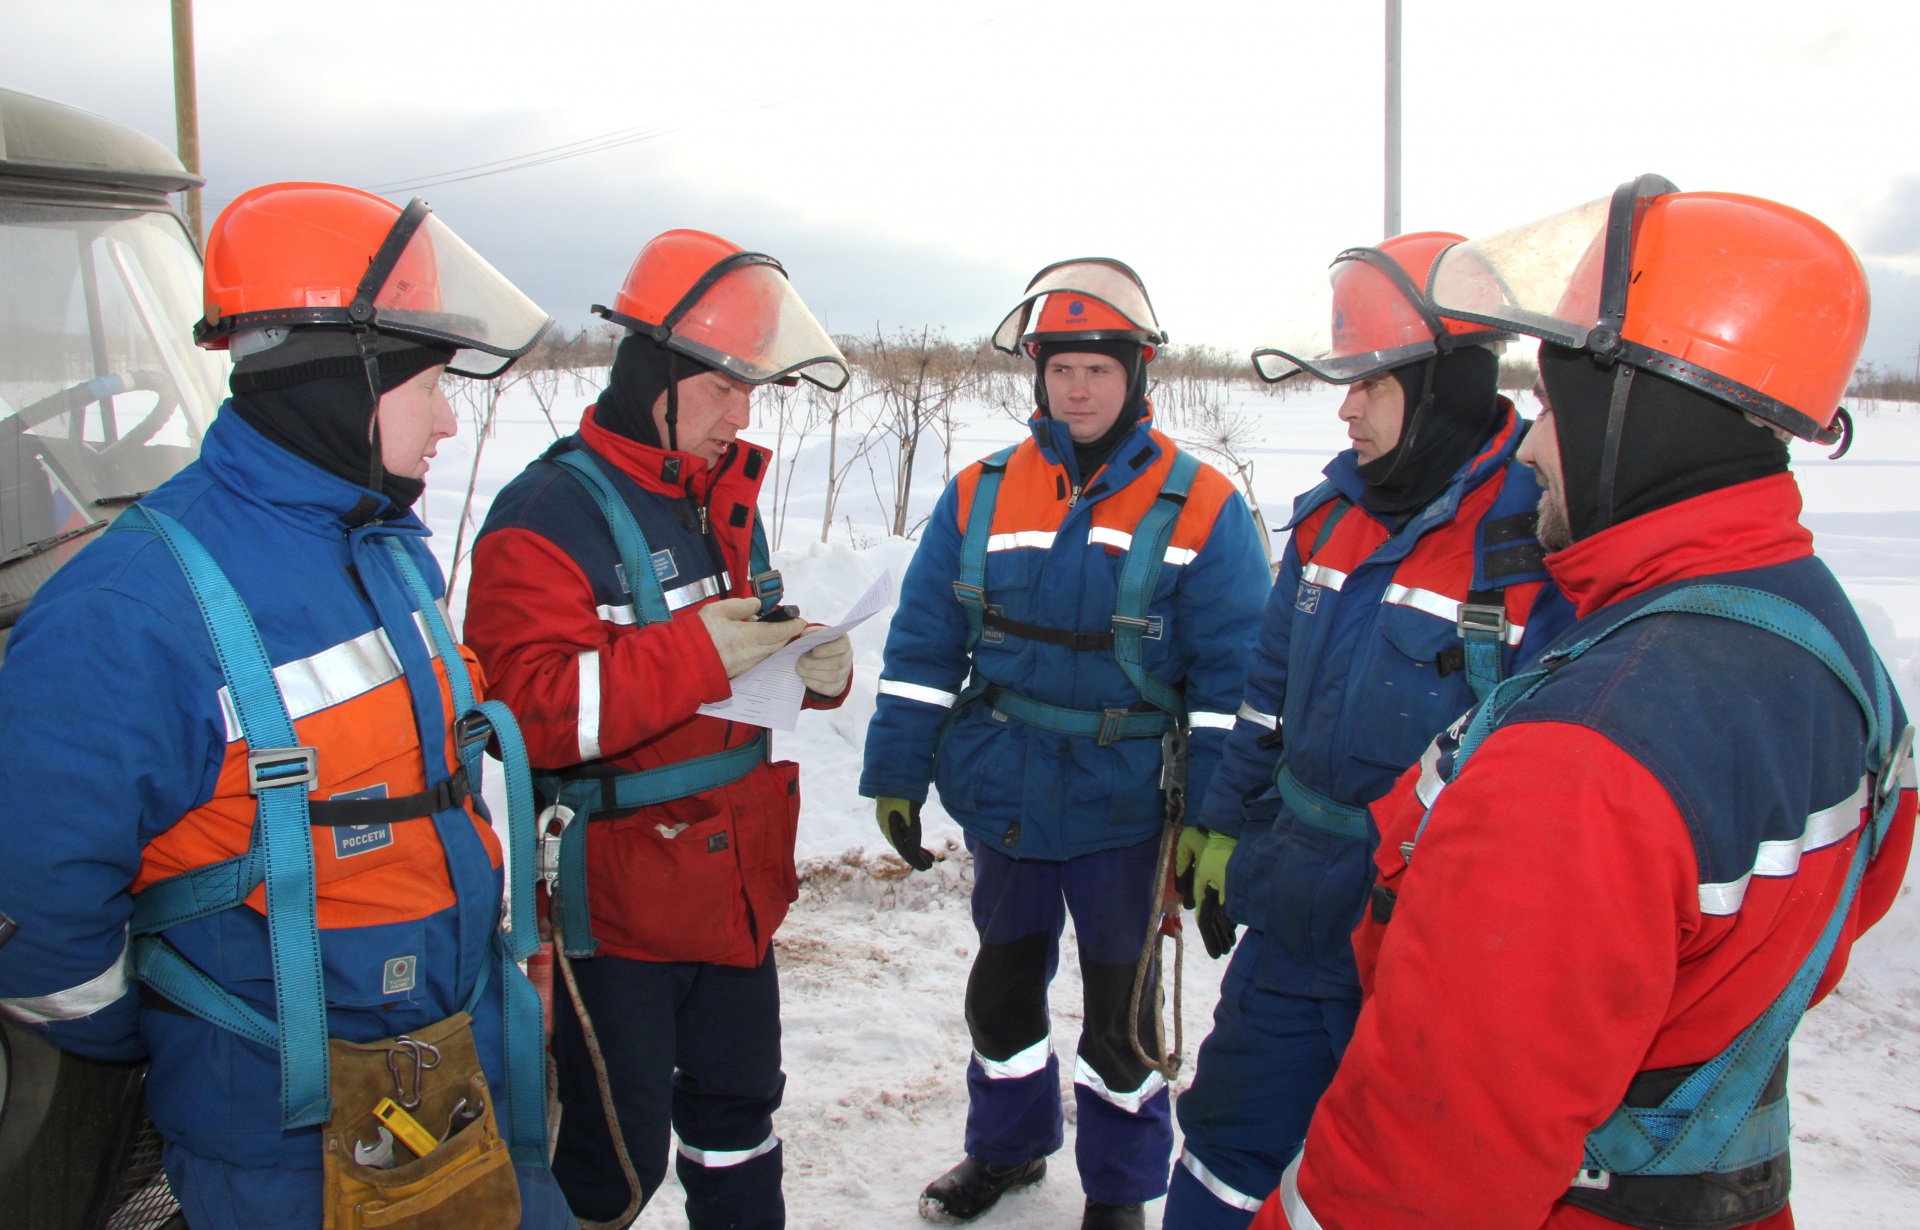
(875, 961)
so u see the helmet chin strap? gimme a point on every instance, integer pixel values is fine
(673, 404)
(1410, 424)
(1610, 448)
(376, 472)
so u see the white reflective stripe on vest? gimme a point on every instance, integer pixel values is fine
(1130, 1101)
(1225, 1194)
(89, 997)
(915, 691)
(697, 591)
(1014, 1067)
(1825, 827)
(335, 675)
(1428, 788)
(622, 615)
(1299, 1216)
(1023, 538)
(587, 726)
(1323, 576)
(1270, 720)
(1107, 537)
(1440, 606)
(1200, 719)
(714, 1159)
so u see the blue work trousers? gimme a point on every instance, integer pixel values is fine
(688, 1045)
(1124, 1137)
(1257, 1079)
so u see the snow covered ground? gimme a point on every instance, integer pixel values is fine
(875, 961)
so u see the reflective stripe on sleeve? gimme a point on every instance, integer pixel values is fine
(1231, 1196)
(715, 1159)
(1299, 1216)
(1014, 1067)
(915, 691)
(588, 725)
(1428, 788)
(1202, 720)
(1130, 1101)
(74, 1002)
(1022, 538)
(1323, 576)
(1825, 827)
(1248, 713)
(333, 676)
(622, 615)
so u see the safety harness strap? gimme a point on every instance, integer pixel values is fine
(1102, 726)
(1138, 577)
(1482, 627)
(1711, 1123)
(636, 558)
(970, 588)
(1311, 807)
(589, 797)
(279, 773)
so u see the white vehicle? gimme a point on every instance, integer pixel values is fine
(103, 397)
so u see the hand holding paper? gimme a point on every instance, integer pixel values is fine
(772, 692)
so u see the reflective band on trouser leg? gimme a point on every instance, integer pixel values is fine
(1299, 1216)
(715, 1159)
(1217, 1188)
(89, 997)
(1019, 1066)
(1129, 1101)
(589, 708)
(914, 691)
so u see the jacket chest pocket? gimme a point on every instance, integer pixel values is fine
(1408, 698)
(1012, 592)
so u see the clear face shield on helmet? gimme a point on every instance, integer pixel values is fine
(441, 290)
(1107, 281)
(1365, 317)
(750, 323)
(1561, 278)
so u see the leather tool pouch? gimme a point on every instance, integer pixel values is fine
(465, 1182)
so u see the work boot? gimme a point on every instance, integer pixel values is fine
(972, 1187)
(1113, 1217)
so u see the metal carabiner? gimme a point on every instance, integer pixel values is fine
(552, 827)
(419, 1052)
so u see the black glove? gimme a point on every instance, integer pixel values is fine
(900, 825)
(1217, 931)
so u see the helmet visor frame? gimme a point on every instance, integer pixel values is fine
(1094, 277)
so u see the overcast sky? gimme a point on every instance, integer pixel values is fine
(916, 162)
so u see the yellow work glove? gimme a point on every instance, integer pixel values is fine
(1185, 855)
(1217, 931)
(900, 825)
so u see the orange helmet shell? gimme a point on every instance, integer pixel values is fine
(284, 248)
(1752, 291)
(666, 269)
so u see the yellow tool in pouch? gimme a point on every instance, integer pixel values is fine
(426, 1090)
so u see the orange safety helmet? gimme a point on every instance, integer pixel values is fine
(1369, 315)
(297, 254)
(730, 309)
(1088, 299)
(1747, 300)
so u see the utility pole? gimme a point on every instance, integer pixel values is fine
(1393, 119)
(186, 110)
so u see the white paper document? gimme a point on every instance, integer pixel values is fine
(771, 694)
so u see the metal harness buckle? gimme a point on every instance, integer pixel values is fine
(970, 595)
(272, 767)
(1110, 725)
(1476, 620)
(472, 728)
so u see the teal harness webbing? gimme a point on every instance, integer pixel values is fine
(1131, 623)
(587, 796)
(280, 773)
(1713, 1123)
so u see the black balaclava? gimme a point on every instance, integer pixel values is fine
(1675, 443)
(1437, 438)
(309, 396)
(1090, 456)
(642, 370)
